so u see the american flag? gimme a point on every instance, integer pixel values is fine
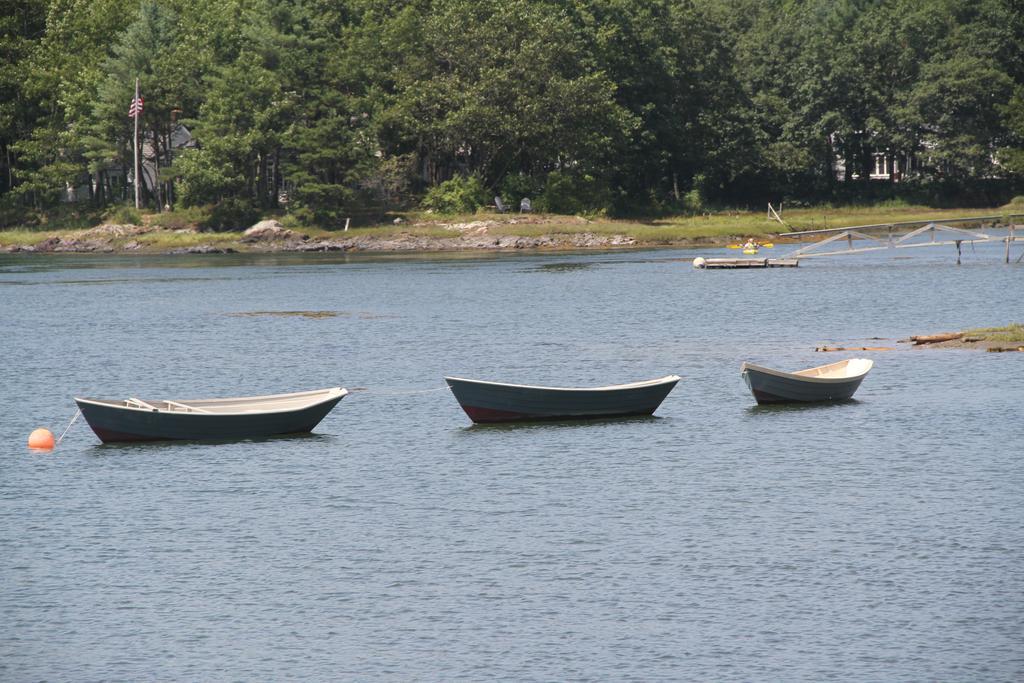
(136, 108)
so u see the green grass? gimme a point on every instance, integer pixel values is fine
(719, 226)
(820, 218)
(65, 217)
(123, 215)
(28, 236)
(164, 240)
(1013, 332)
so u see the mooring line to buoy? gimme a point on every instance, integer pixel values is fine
(75, 417)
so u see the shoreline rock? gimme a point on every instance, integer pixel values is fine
(271, 231)
(271, 237)
(476, 239)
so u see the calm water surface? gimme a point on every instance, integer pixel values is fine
(881, 539)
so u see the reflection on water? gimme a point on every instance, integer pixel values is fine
(143, 448)
(361, 315)
(527, 425)
(775, 408)
(289, 314)
(563, 267)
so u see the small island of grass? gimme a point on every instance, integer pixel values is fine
(1006, 338)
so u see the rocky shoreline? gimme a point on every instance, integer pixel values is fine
(271, 236)
(102, 238)
(583, 240)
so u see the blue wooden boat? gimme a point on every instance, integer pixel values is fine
(247, 417)
(486, 402)
(832, 382)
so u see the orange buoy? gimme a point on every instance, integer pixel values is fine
(41, 439)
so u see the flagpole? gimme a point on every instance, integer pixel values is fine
(136, 145)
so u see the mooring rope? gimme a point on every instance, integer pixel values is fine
(75, 417)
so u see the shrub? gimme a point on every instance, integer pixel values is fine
(231, 214)
(293, 221)
(182, 218)
(515, 187)
(60, 217)
(568, 193)
(123, 215)
(461, 194)
(693, 201)
(201, 179)
(389, 180)
(317, 203)
(893, 203)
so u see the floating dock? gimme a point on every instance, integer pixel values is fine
(713, 263)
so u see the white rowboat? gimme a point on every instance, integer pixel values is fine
(832, 382)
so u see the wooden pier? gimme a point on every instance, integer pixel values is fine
(731, 263)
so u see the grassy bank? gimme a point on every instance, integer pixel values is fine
(1013, 333)
(822, 218)
(1006, 338)
(177, 230)
(724, 226)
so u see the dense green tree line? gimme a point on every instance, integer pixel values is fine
(330, 107)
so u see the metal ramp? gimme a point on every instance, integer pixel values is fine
(934, 232)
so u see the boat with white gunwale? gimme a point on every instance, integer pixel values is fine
(832, 382)
(244, 417)
(486, 402)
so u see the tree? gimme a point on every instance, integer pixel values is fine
(21, 28)
(59, 78)
(499, 88)
(628, 105)
(1011, 155)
